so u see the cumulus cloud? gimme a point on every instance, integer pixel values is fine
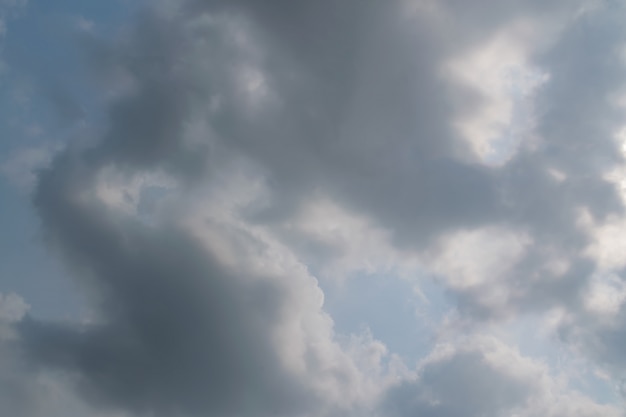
(252, 146)
(180, 330)
(483, 377)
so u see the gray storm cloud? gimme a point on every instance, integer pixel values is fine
(349, 100)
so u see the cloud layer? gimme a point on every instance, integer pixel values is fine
(253, 155)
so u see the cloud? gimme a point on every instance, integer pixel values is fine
(179, 328)
(250, 145)
(22, 166)
(12, 308)
(24, 393)
(8, 9)
(483, 377)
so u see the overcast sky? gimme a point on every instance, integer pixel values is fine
(299, 208)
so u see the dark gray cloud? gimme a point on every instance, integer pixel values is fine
(378, 132)
(347, 99)
(16, 391)
(365, 118)
(177, 333)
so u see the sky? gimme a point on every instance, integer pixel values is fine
(297, 208)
